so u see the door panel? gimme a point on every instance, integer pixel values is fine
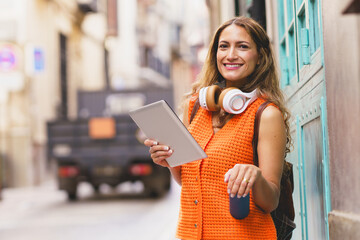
(313, 181)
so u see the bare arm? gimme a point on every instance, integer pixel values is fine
(271, 152)
(265, 179)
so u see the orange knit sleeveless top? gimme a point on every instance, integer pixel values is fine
(204, 209)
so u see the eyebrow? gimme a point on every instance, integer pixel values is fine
(223, 41)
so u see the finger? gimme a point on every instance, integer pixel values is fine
(232, 184)
(249, 186)
(238, 182)
(161, 155)
(150, 142)
(227, 176)
(161, 161)
(231, 178)
(158, 148)
(244, 186)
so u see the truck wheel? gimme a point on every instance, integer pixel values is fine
(154, 194)
(72, 196)
(151, 191)
(156, 191)
(165, 189)
(167, 185)
(96, 188)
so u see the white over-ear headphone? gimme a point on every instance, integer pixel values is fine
(231, 100)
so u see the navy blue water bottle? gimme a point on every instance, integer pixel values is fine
(239, 207)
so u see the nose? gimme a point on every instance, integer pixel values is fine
(232, 54)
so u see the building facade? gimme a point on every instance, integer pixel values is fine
(173, 38)
(44, 46)
(341, 38)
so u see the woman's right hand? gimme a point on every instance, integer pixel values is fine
(159, 153)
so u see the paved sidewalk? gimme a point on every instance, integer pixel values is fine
(43, 213)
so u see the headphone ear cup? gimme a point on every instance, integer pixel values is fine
(234, 101)
(231, 100)
(223, 104)
(212, 98)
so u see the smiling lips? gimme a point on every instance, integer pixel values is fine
(232, 66)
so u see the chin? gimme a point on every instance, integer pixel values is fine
(235, 79)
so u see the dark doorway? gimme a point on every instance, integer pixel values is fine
(257, 11)
(63, 108)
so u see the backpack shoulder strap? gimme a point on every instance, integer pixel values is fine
(256, 131)
(194, 110)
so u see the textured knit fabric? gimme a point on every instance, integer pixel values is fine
(204, 210)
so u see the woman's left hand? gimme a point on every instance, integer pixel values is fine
(241, 179)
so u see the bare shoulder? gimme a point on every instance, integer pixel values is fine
(272, 121)
(272, 132)
(272, 115)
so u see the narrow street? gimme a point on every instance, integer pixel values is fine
(43, 213)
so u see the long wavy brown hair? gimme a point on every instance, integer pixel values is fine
(264, 77)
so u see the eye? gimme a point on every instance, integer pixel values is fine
(244, 46)
(222, 46)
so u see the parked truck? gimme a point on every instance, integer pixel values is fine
(103, 145)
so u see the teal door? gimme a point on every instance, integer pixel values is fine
(303, 81)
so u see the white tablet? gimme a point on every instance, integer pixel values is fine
(159, 122)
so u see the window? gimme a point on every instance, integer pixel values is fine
(299, 28)
(287, 42)
(292, 56)
(314, 28)
(284, 66)
(302, 44)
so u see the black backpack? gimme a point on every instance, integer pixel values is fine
(284, 215)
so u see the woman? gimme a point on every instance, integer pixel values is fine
(239, 56)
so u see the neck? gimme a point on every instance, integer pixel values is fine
(235, 84)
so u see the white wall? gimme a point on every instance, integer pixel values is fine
(92, 52)
(123, 49)
(24, 112)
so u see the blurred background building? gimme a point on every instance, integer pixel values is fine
(50, 49)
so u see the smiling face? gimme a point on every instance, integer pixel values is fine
(237, 55)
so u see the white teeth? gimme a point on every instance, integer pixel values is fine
(232, 65)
